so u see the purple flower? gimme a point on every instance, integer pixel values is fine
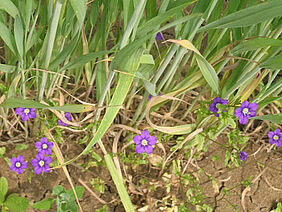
(26, 113)
(67, 116)
(245, 111)
(41, 163)
(216, 101)
(44, 146)
(243, 155)
(144, 142)
(18, 164)
(150, 96)
(159, 36)
(275, 137)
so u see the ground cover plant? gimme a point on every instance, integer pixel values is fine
(140, 105)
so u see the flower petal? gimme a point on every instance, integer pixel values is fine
(32, 115)
(245, 104)
(252, 114)
(19, 110)
(24, 165)
(24, 117)
(37, 145)
(253, 106)
(152, 140)
(13, 160)
(46, 169)
(20, 158)
(62, 123)
(243, 120)
(270, 134)
(277, 131)
(224, 101)
(34, 162)
(50, 145)
(68, 116)
(139, 148)
(47, 160)
(13, 168)
(137, 139)
(272, 141)
(145, 134)
(148, 149)
(19, 170)
(38, 170)
(238, 112)
(279, 143)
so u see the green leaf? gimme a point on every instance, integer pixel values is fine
(9, 7)
(2, 151)
(231, 122)
(3, 186)
(255, 43)
(57, 190)
(161, 18)
(71, 206)
(79, 8)
(82, 60)
(7, 68)
(119, 184)
(273, 62)
(64, 53)
(28, 103)
(3, 209)
(207, 70)
(44, 204)
(249, 16)
(16, 203)
(150, 87)
(200, 141)
(147, 59)
(21, 146)
(7, 37)
(277, 118)
(79, 192)
(2, 198)
(19, 34)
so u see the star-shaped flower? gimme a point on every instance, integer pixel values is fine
(41, 163)
(159, 36)
(243, 155)
(275, 137)
(67, 116)
(18, 164)
(245, 111)
(44, 146)
(216, 101)
(144, 142)
(26, 113)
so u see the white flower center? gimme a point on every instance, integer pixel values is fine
(26, 111)
(18, 164)
(44, 146)
(275, 137)
(41, 163)
(144, 142)
(246, 111)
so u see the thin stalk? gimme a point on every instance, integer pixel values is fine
(125, 38)
(50, 43)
